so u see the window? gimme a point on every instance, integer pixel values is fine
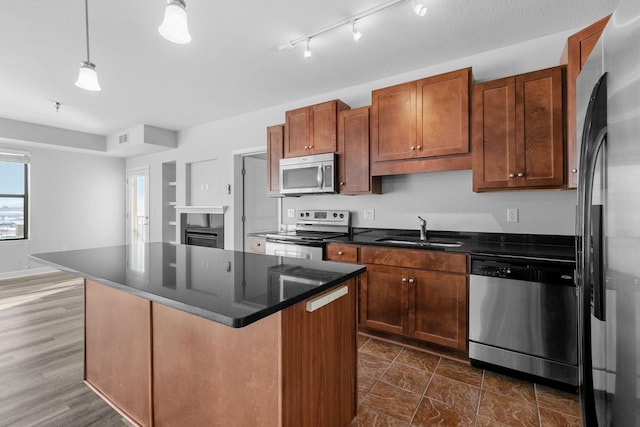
(14, 195)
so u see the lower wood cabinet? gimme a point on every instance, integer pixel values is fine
(418, 294)
(118, 350)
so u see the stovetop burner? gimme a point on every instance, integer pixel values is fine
(316, 225)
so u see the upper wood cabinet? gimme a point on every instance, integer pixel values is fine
(518, 132)
(354, 175)
(577, 51)
(275, 148)
(312, 129)
(413, 123)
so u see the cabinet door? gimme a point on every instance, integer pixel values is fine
(323, 120)
(384, 299)
(443, 114)
(297, 133)
(579, 48)
(353, 153)
(393, 122)
(539, 129)
(275, 147)
(494, 134)
(438, 308)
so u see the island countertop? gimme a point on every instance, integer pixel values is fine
(229, 287)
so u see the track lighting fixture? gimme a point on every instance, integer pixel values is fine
(357, 35)
(174, 26)
(87, 77)
(307, 50)
(419, 7)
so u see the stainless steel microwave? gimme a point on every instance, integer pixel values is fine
(308, 174)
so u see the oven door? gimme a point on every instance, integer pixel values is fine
(302, 250)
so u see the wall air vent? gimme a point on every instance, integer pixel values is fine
(123, 139)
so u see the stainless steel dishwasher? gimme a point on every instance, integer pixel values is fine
(522, 316)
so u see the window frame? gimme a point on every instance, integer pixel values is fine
(21, 157)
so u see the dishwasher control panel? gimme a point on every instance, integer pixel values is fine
(532, 270)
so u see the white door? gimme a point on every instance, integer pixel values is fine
(137, 206)
(260, 211)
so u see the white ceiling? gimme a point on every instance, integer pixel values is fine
(231, 66)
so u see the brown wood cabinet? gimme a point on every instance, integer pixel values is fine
(518, 132)
(117, 362)
(312, 129)
(577, 51)
(354, 175)
(275, 150)
(416, 293)
(415, 126)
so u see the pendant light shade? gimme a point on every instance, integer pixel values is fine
(174, 27)
(87, 77)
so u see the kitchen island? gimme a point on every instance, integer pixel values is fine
(187, 335)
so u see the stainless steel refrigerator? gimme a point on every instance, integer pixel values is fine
(608, 224)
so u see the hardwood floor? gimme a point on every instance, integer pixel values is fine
(41, 365)
(41, 355)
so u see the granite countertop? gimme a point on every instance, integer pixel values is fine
(555, 247)
(228, 287)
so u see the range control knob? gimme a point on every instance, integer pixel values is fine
(341, 215)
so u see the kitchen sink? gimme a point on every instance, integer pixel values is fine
(436, 243)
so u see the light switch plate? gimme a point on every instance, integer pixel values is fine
(370, 214)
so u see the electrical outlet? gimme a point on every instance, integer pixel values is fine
(512, 215)
(370, 214)
(291, 213)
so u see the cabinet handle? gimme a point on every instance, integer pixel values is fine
(340, 253)
(404, 280)
(511, 175)
(419, 147)
(520, 174)
(413, 148)
(574, 170)
(411, 281)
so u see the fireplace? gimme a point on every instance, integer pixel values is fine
(201, 226)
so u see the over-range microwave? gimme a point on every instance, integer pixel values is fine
(314, 174)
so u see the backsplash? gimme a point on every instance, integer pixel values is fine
(447, 202)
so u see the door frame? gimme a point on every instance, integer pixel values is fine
(238, 196)
(128, 174)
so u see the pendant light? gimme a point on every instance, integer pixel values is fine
(87, 77)
(419, 7)
(357, 35)
(174, 26)
(307, 50)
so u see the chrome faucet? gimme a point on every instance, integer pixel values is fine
(423, 228)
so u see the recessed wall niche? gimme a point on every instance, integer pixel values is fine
(202, 188)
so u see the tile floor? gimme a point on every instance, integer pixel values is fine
(402, 387)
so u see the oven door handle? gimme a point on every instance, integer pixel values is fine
(296, 243)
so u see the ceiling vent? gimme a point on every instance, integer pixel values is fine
(123, 139)
(141, 139)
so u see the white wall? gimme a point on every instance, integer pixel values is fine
(445, 198)
(76, 201)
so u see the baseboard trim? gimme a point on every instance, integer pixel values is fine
(27, 272)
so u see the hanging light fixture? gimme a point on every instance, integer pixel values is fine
(419, 7)
(174, 26)
(87, 77)
(307, 50)
(357, 35)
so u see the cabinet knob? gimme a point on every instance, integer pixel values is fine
(404, 280)
(306, 147)
(419, 147)
(342, 183)
(258, 244)
(511, 175)
(411, 281)
(340, 253)
(520, 174)
(413, 148)
(574, 170)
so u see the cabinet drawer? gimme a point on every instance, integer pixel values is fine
(257, 244)
(422, 259)
(342, 253)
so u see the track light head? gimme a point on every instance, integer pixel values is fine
(307, 50)
(357, 35)
(419, 7)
